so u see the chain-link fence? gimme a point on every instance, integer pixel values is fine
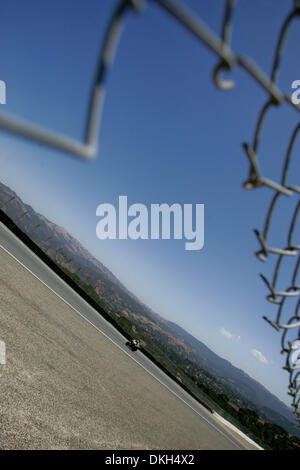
(227, 61)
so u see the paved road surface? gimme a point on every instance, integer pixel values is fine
(210, 434)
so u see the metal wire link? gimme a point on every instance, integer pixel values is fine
(228, 60)
(89, 148)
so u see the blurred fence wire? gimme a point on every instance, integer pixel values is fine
(227, 61)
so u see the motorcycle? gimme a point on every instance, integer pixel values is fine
(133, 344)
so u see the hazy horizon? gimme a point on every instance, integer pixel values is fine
(167, 135)
(142, 301)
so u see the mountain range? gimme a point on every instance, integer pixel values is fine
(66, 251)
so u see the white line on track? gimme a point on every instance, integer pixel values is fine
(98, 329)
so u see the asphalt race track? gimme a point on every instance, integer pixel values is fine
(65, 385)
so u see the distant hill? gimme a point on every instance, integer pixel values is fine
(69, 253)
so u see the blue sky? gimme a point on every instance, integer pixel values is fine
(167, 135)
